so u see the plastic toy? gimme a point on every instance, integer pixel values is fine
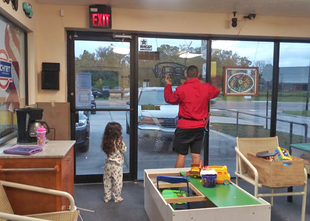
(266, 155)
(208, 178)
(174, 194)
(195, 170)
(223, 177)
(282, 154)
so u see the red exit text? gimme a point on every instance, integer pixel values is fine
(101, 20)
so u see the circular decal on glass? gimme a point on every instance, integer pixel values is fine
(240, 83)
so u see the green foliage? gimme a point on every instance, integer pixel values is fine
(172, 54)
(103, 78)
(262, 96)
(105, 65)
(305, 113)
(255, 131)
(226, 58)
(84, 62)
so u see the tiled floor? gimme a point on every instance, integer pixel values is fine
(90, 197)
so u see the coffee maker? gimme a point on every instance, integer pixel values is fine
(27, 123)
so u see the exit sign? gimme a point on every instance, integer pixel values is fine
(100, 16)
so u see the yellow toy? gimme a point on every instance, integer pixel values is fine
(195, 170)
(282, 154)
(222, 175)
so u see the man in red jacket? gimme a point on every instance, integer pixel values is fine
(193, 99)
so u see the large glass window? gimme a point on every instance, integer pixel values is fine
(239, 112)
(242, 70)
(293, 96)
(157, 119)
(12, 77)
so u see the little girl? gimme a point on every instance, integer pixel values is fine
(114, 147)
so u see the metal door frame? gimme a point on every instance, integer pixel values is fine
(104, 36)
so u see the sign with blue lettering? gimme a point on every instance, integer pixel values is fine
(5, 72)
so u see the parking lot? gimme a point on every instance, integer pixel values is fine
(157, 153)
(152, 153)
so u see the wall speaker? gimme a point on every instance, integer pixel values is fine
(50, 76)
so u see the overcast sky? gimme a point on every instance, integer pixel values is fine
(291, 54)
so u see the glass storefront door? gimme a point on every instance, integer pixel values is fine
(102, 88)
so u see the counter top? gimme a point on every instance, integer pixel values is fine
(52, 149)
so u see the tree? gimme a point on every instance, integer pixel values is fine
(104, 66)
(85, 61)
(225, 58)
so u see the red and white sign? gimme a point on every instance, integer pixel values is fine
(5, 70)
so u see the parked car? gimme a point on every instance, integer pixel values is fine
(155, 116)
(93, 104)
(82, 130)
(126, 92)
(96, 93)
(106, 92)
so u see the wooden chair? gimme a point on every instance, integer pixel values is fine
(7, 213)
(244, 167)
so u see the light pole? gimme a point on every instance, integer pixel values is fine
(307, 101)
(267, 75)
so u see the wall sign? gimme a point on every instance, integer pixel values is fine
(144, 46)
(83, 90)
(100, 16)
(240, 81)
(5, 70)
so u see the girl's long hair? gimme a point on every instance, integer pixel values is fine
(111, 138)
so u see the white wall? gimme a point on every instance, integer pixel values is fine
(47, 38)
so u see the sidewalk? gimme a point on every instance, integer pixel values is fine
(231, 120)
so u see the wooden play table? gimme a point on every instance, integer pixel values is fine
(224, 202)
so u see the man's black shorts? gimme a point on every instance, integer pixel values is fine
(188, 138)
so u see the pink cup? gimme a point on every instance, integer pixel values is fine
(41, 136)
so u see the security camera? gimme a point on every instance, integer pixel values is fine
(234, 22)
(250, 16)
